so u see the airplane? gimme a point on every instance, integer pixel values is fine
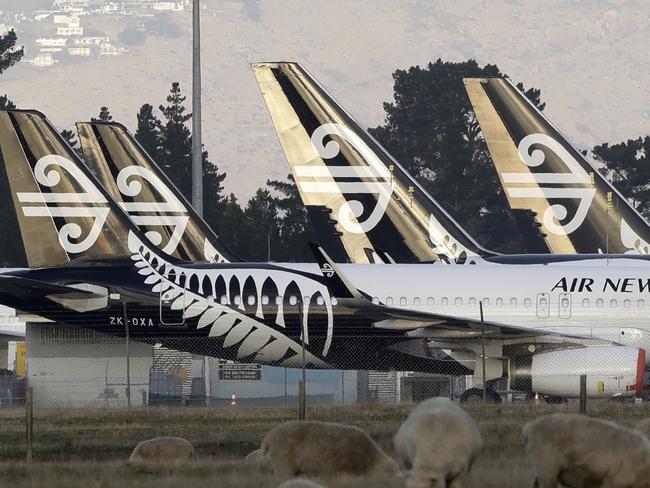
(152, 201)
(574, 207)
(365, 207)
(540, 325)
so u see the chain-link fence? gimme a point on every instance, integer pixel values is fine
(80, 367)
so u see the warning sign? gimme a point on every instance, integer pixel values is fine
(230, 371)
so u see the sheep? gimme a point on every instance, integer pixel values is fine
(438, 443)
(162, 450)
(323, 449)
(580, 451)
(256, 457)
(644, 427)
(300, 483)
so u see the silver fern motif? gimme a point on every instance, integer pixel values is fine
(237, 329)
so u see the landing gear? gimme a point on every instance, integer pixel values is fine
(475, 395)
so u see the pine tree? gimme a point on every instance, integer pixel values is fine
(294, 227)
(13, 253)
(627, 164)
(261, 227)
(9, 55)
(148, 131)
(431, 129)
(176, 141)
(104, 116)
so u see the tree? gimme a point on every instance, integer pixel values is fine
(294, 227)
(71, 138)
(627, 164)
(176, 141)
(261, 226)
(104, 116)
(431, 129)
(9, 55)
(13, 253)
(148, 131)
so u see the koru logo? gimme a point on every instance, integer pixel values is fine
(577, 184)
(170, 212)
(374, 179)
(90, 203)
(327, 270)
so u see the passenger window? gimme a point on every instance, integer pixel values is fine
(627, 303)
(389, 300)
(402, 301)
(251, 300)
(640, 303)
(416, 301)
(599, 303)
(585, 303)
(486, 302)
(334, 301)
(459, 301)
(278, 300)
(527, 302)
(472, 301)
(237, 300)
(293, 299)
(445, 301)
(223, 300)
(613, 303)
(430, 301)
(265, 299)
(499, 302)
(320, 300)
(375, 300)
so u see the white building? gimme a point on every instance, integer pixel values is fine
(79, 51)
(107, 49)
(43, 60)
(69, 20)
(169, 6)
(90, 41)
(52, 41)
(70, 31)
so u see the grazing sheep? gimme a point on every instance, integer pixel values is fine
(256, 457)
(310, 448)
(438, 443)
(644, 427)
(300, 483)
(580, 451)
(162, 450)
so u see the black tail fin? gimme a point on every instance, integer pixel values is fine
(63, 213)
(357, 196)
(578, 210)
(143, 190)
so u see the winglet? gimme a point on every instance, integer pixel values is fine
(336, 281)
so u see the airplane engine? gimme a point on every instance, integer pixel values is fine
(610, 370)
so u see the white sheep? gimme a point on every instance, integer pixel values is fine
(580, 451)
(322, 449)
(644, 427)
(438, 443)
(162, 450)
(300, 483)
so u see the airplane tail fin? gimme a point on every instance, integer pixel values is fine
(357, 196)
(143, 190)
(63, 213)
(576, 208)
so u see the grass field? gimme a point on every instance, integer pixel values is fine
(88, 448)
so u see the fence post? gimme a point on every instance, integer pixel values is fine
(301, 400)
(480, 304)
(29, 422)
(583, 394)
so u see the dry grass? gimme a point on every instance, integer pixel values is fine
(88, 448)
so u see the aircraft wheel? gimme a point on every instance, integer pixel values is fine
(475, 395)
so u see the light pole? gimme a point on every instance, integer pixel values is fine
(197, 146)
